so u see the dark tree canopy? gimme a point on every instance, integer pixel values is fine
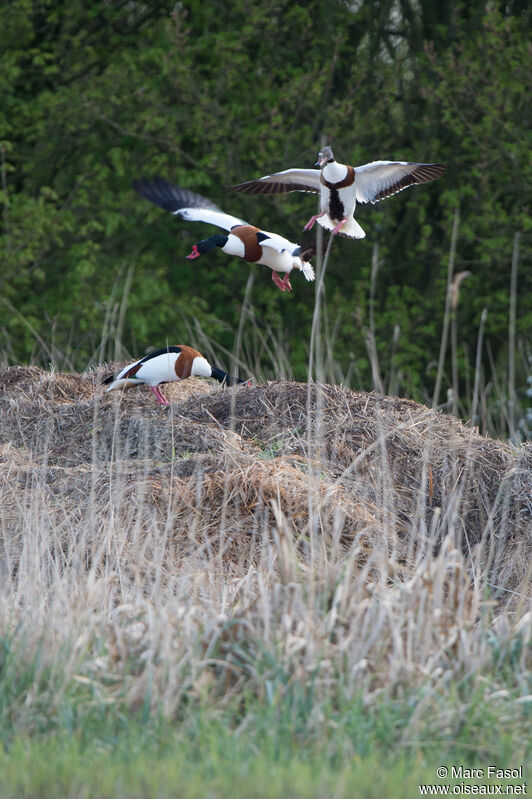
(96, 95)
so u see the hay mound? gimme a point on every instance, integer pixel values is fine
(375, 473)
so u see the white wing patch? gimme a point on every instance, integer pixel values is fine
(380, 179)
(278, 243)
(225, 221)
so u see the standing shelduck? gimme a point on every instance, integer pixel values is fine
(166, 366)
(243, 240)
(342, 186)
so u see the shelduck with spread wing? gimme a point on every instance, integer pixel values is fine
(341, 186)
(242, 240)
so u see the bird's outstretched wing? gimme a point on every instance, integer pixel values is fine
(276, 242)
(381, 179)
(185, 203)
(281, 182)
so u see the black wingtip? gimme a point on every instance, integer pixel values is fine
(305, 252)
(437, 170)
(308, 248)
(107, 380)
(158, 191)
(172, 198)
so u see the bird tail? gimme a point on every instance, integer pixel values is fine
(123, 383)
(304, 252)
(351, 229)
(307, 270)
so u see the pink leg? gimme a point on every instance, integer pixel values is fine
(340, 225)
(312, 219)
(278, 282)
(286, 282)
(161, 399)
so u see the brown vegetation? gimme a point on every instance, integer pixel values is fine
(220, 469)
(276, 535)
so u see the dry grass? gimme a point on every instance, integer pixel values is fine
(356, 535)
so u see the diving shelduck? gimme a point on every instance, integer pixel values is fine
(243, 240)
(342, 186)
(166, 366)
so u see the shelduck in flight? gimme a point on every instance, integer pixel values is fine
(341, 186)
(243, 240)
(166, 366)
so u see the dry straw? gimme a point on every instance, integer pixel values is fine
(173, 547)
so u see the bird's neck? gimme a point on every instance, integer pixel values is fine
(218, 240)
(220, 375)
(223, 377)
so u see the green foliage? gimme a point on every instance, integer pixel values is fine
(143, 765)
(74, 742)
(208, 94)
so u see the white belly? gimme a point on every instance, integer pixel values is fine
(278, 261)
(324, 198)
(159, 370)
(349, 198)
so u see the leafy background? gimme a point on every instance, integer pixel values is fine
(95, 95)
